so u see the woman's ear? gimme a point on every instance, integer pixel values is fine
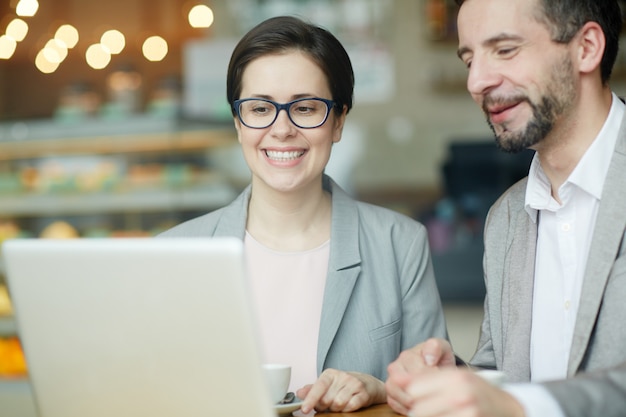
(591, 44)
(237, 128)
(339, 121)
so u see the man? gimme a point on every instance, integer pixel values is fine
(555, 255)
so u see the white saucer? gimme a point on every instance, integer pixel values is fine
(287, 409)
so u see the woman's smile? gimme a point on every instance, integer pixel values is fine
(281, 156)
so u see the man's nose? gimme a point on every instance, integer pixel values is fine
(482, 77)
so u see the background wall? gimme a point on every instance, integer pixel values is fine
(433, 117)
(402, 138)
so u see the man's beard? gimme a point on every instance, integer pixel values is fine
(559, 95)
(540, 124)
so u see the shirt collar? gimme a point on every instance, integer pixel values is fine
(589, 173)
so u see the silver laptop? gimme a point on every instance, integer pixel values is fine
(137, 327)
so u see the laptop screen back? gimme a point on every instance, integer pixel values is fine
(137, 327)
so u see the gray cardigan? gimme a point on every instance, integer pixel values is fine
(380, 297)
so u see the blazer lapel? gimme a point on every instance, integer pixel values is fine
(517, 299)
(343, 269)
(607, 237)
(234, 219)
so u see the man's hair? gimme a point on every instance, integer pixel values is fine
(564, 18)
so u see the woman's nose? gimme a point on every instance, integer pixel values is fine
(283, 126)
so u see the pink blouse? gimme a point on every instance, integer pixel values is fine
(288, 291)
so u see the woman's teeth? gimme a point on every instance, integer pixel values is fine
(283, 156)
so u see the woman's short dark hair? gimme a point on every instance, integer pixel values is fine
(284, 33)
(564, 18)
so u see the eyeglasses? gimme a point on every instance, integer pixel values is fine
(306, 113)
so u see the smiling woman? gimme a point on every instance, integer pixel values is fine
(318, 260)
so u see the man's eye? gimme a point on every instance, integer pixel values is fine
(506, 51)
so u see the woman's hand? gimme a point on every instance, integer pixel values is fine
(340, 391)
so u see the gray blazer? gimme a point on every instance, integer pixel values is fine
(380, 296)
(596, 384)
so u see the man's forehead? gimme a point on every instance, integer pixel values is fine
(485, 21)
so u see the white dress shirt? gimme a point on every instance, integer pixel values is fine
(564, 236)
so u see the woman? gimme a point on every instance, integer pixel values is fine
(341, 287)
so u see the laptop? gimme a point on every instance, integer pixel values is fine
(137, 327)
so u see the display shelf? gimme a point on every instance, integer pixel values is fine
(7, 326)
(33, 139)
(192, 198)
(132, 173)
(16, 398)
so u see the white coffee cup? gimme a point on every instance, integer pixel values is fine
(277, 377)
(493, 376)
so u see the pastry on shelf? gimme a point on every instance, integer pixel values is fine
(59, 230)
(8, 230)
(12, 361)
(5, 302)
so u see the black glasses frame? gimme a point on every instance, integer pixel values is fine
(330, 104)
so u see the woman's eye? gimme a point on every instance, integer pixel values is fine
(260, 110)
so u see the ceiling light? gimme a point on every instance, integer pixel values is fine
(98, 56)
(200, 16)
(114, 40)
(27, 8)
(68, 35)
(154, 48)
(7, 47)
(55, 51)
(43, 65)
(17, 29)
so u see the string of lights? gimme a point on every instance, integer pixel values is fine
(97, 55)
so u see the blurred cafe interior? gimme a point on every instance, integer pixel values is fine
(114, 123)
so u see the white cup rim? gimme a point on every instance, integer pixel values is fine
(494, 376)
(275, 366)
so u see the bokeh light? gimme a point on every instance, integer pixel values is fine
(55, 51)
(27, 8)
(17, 29)
(7, 47)
(43, 65)
(200, 16)
(154, 48)
(98, 56)
(68, 35)
(114, 40)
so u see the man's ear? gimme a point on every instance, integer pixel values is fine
(591, 44)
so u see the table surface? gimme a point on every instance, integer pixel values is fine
(381, 410)
(17, 400)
